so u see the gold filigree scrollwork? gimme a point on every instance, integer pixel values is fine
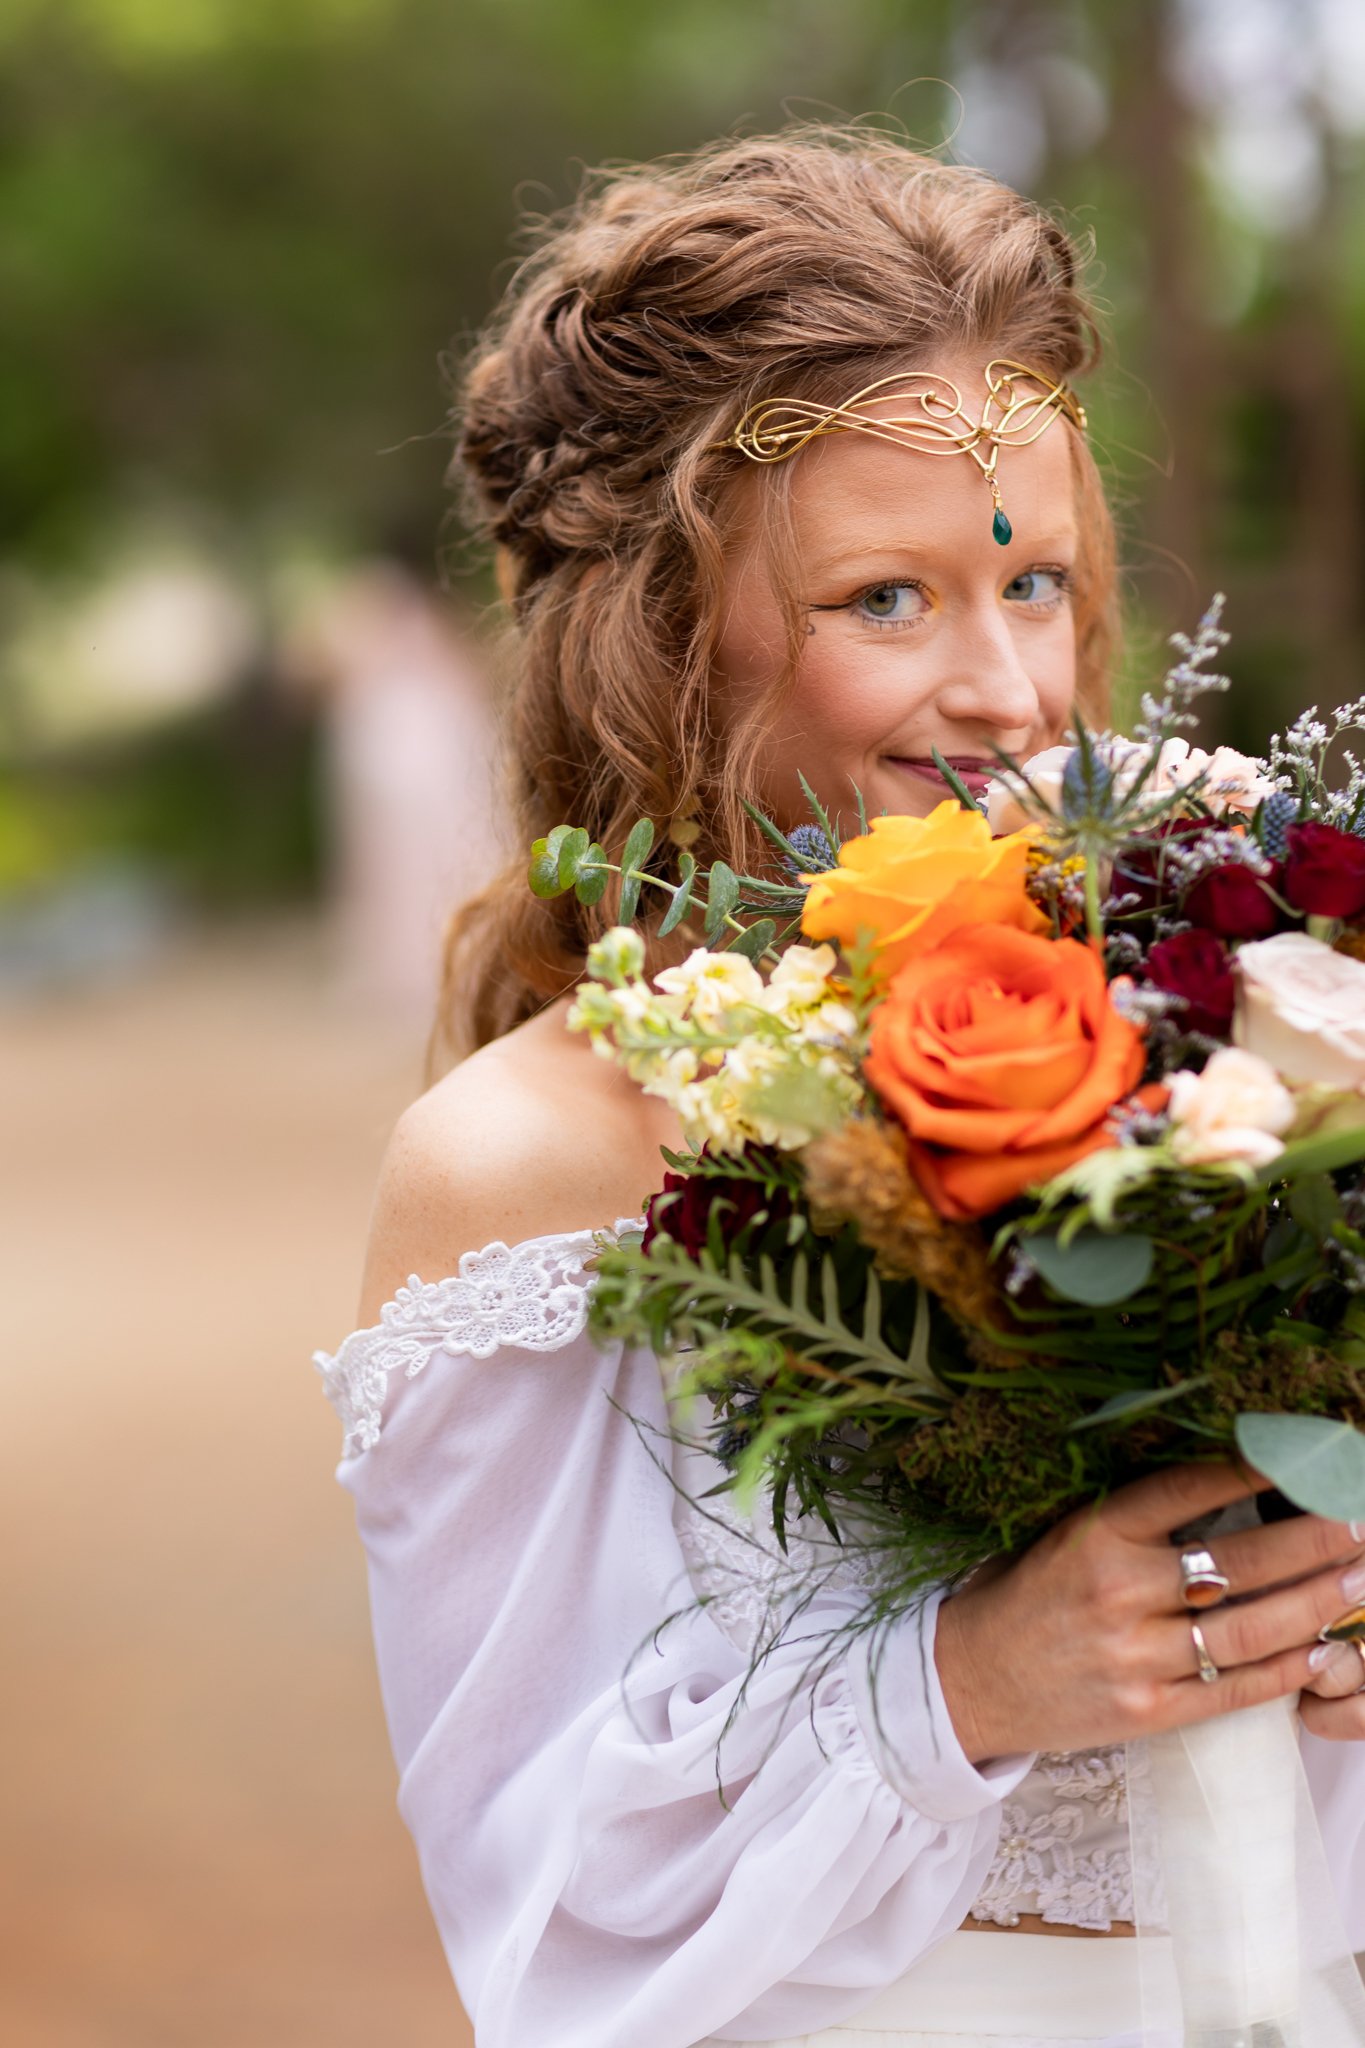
(776, 428)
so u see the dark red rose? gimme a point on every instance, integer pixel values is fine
(1197, 966)
(1324, 871)
(1141, 868)
(692, 1196)
(1233, 902)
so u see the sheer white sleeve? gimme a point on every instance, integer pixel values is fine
(562, 1709)
(1336, 1778)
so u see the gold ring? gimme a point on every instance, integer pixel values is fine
(1208, 1670)
(1347, 1628)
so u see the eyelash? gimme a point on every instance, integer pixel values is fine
(1065, 579)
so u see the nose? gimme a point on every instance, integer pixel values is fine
(988, 684)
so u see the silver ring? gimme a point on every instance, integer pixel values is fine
(1201, 1583)
(1208, 1670)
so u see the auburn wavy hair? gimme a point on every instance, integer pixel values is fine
(648, 316)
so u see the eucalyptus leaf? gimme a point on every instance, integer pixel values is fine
(1093, 1268)
(573, 848)
(593, 875)
(543, 872)
(638, 843)
(722, 894)
(754, 940)
(678, 908)
(1316, 1463)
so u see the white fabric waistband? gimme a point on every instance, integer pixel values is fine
(1016, 1983)
(1006, 1987)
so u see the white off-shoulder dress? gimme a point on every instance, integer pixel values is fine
(623, 1844)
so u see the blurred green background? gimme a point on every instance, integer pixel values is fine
(238, 236)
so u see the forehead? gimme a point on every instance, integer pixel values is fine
(854, 490)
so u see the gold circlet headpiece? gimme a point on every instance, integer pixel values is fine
(776, 428)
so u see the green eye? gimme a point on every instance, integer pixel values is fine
(891, 604)
(1039, 586)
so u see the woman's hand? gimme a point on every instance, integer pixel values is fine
(1085, 1640)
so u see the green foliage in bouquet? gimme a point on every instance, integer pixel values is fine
(567, 859)
(848, 1393)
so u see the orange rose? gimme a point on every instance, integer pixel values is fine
(912, 881)
(1000, 1053)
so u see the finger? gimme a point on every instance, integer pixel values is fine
(1251, 1685)
(1253, 1559)
(1341, 1670)
(1334, 1720)
(1149, 1509)
(1264, 1627)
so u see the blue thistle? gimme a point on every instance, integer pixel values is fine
(814, 849)
(1279, 811)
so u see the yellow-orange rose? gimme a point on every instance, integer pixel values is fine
(1000, 1053)
(912, 881)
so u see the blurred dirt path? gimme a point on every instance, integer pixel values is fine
(198, 1842)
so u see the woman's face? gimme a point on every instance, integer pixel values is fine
(922, 632)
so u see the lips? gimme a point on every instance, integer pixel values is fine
(975, 774)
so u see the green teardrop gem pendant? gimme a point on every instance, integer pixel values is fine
(1001, 528)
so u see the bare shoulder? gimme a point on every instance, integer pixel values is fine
(528, 1136)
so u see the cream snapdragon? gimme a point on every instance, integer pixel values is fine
(740, 1059)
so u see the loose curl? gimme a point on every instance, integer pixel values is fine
(651, 314)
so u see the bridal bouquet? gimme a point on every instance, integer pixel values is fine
(1026, 1140)
(1025, 1153)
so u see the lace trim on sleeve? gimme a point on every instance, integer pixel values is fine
(528, 1296)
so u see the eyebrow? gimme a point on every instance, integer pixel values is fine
(1046, 543)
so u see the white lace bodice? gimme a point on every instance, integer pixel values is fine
(1064, 1852)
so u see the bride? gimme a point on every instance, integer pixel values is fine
(623, 1845)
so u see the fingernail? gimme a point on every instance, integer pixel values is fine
(1353, 1585)
(1322, 1655)
(1358, 1532)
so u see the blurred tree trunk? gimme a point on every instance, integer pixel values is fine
(1304, 361)
(1153, 135)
